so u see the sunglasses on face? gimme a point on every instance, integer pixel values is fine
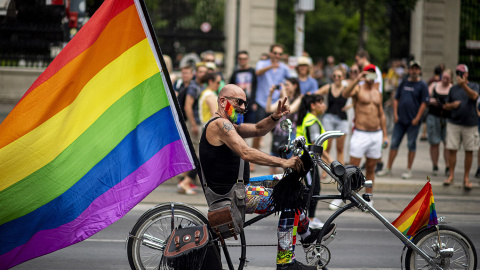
(242, 58)
(354, 71)
(238, 101)
(277, 53)
(337, 76)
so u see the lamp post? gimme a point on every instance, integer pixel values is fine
(301, 6)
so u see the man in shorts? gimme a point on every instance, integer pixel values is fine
(370, 125)
(412, 97)
(462, 126)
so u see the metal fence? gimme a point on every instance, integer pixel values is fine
(469, 53)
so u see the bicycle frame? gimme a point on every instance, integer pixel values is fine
(359, 201)
(356, 201)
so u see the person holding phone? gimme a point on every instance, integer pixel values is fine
(462, 123)
(370, 127)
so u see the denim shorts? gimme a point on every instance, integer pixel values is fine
(436, 129)
(334, 122)
(399, 131)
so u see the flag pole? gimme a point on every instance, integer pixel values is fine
(159, 53)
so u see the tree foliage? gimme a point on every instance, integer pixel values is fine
(333, 28)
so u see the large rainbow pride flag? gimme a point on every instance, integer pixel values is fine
(419, 213)
(95, 134)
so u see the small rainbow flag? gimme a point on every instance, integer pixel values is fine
(419, 213)
(95, 134)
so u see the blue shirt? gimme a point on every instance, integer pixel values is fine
(466, 113)
(269, 78)
(308, 86)
(410, 96)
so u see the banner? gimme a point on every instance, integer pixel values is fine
(95, 133)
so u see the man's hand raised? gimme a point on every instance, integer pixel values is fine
(282, 109)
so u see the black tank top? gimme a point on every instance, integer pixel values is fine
(335, 105)
(220, 164)
(437, 110)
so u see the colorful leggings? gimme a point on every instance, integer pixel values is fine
(289, 224)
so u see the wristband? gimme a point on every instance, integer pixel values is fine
(273, 118)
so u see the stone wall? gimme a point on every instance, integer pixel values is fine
(14, 82)
(256, 29)
(435, 33)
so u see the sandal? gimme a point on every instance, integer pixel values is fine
(467, 186)
(447, 183)
(180, 189)
(188, 191)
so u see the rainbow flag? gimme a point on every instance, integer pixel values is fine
(419, 213)
(95, 134)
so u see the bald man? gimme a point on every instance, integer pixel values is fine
(222, 146)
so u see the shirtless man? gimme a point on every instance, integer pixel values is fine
(370, 128)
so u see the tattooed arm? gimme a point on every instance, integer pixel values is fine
(223, 132)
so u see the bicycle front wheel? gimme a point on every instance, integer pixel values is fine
(464, 255)
(147, 239)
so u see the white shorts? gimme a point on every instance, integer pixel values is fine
(366, 143)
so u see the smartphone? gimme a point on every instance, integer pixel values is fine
(277, 87)
(459, 73)
(371, 76)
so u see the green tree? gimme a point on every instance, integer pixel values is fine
(335, 27)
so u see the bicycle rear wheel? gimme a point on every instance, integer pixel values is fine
(147, 239)
(464, 254)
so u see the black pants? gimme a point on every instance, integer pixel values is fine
(316, 191)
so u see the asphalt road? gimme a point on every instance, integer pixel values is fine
(362, 242)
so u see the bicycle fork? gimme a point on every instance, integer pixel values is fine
(394, 230)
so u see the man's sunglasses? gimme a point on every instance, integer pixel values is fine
(238, 101)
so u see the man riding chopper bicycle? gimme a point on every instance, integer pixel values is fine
(222, 146)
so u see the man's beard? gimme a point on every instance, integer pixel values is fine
(235, 116)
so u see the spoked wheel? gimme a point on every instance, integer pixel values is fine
(147, 238)
(456, 250)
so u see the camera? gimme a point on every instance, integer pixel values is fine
(459, 73)
(277, 87)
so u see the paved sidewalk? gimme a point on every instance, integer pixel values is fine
(391, 194)
(422, 168)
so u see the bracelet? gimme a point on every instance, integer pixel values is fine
(273, 118)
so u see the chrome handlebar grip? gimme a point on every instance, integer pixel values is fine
(328, 135)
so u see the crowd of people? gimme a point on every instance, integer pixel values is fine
(320, 98)
(354, 105)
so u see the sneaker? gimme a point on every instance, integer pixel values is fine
(315, 223)
(314, 233)
(385, 172)
(296, 265)
(477, 174)
(370, 203)
(435, 170)
(407, 175)
(335, 204)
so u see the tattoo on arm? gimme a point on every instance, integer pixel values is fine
(227, 126)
